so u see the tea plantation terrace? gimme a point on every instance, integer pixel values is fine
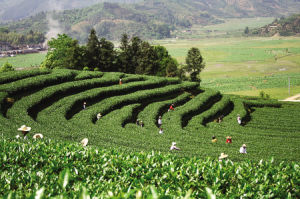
(51, 103)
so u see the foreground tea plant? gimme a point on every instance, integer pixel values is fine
(45, 168)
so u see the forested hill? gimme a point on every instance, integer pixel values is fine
(284, 27)
(18, 9)
(151, 19)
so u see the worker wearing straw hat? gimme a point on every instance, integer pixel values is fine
(37, 136)
(25, 130)
(84, 142)
(174, 147)
(159, 121)
(239, 119)
(243, 149)
(99, 116)
(214, 139)
(222, 157)
(228, 139)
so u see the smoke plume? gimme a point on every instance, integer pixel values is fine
(54, 26)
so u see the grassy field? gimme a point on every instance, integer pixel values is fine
(231, 27)
(24, 61)
(238, 59)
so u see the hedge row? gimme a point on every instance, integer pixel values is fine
(20, 87)
(45, 97)
(88, 75)
(218, 109)
(11, 76)
(117, 102)
(180, 117)
(151, 113)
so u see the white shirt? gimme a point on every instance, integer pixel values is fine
(159, 121)
(173, 147)
(239, 120)
(243, 150)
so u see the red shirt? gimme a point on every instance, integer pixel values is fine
(228, 140)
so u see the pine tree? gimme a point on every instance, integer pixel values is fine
(92, 51)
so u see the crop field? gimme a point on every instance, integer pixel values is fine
(124, 160)
(231, 27)
(24, 61)
(51, 102)
(68, 170)
(229, 59)
(245, 62)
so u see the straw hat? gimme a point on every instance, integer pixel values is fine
(173, 143)
(84, 142)
(38, 135)
(244, 145)
(223, 155)
(228, 137)
(24, 128)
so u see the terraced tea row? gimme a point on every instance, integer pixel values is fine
(51, 102)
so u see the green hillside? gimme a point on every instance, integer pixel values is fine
(289, 26)
(51, 102)
(18, 9)
(154, 19)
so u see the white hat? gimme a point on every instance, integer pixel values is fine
(84, 142)
(24, 128)
(223, 155)
(38, 135)
(173, 143)
(244, 145)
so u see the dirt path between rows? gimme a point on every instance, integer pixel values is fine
(295, 98)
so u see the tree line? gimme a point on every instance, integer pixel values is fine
(17, 39)
(133, 56)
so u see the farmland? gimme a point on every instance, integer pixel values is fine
(243, 66)
(50, 101)
(24, 61)
(68, 170)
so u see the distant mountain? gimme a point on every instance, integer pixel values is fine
(18, 9)
(284, 27)
(147, 19)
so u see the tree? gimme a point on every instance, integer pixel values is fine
(167, 65)
(172, 68)
(107, 55)
(148, 61)
(92, 51)
(123, 56)
(64, 53)
(194, 64)
(246, 31)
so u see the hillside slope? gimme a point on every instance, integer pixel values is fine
(284, 27)
(51, 103)
(16, 9)
(154, 19)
